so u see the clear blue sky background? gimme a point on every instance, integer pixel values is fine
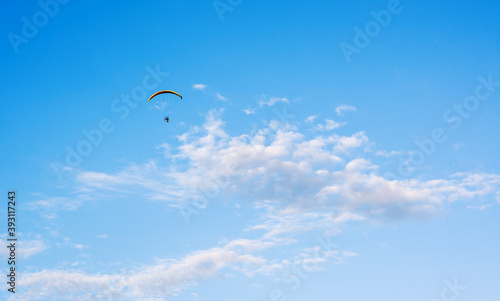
(334, 134)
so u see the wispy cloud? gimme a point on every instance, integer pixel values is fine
(480, 207)
(160, 105)
(388, 154)
(344, 108)
(249, 111)
(311, 118)
(26, 248)
(279, 163)
(168, 277)
(271, 101)
(171, 277)
(199, 87)
(220, 97)
(298, 183)
(50, 205)
(328, 126)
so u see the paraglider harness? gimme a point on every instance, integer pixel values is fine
(166, 118)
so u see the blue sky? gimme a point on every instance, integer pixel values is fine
(290, 170)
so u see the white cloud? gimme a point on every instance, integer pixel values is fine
(172, 277)
(249, 111)
(160, 105)
(344, 108)
(300, 174)
(166, 149)
(48, 206)
(249, 245)
(69, 285)
(78, 246)
(220, 97)
(316, 150)
(311, 258)
(311, 118)
(344, 144)
(298, 183)
(302, 218)
(167, 278)
(25, 249)
(199, 87)
(388, 154)
(101, 180)
(328, 126)
(271, 101)
(480, 207)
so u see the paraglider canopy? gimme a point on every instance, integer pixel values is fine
(163, 92)
(164, 101)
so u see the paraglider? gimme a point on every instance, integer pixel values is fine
(166, 118)
(163, 92)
